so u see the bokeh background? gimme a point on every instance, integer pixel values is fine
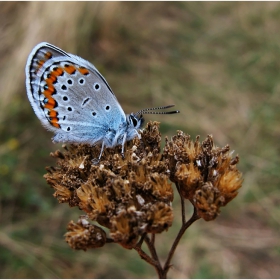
(219, 62)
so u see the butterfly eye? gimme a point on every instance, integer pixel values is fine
(69, 109)
(68, 128)
(94, 114)
(65, 98)
(70, 82)
(107, 108)
(134, 120)
(96, 86)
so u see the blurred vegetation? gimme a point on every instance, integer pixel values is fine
(217, 61)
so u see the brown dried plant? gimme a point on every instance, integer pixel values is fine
(128, 200)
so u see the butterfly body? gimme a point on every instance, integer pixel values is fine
(72, 99)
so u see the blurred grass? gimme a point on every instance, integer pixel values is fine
(217, 61)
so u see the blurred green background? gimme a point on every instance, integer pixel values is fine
(219, 62)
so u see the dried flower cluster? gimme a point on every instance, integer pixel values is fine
(132, 196)
(129, 196)
(204, 174)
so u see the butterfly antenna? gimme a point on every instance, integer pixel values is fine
(151, 110)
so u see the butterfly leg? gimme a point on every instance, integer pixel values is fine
(96, 160)
(123, 142)
(138, 134)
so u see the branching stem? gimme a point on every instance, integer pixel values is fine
(186, 225)
(154, 260)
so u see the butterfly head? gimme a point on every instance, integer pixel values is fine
(135, 121)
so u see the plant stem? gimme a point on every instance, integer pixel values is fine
(145, 257)
(193, 218)
(182, 205)
(152, 249)
(154, 260)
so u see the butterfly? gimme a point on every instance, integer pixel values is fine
(74, 101)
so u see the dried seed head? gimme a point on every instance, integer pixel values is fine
(127, 226)
(206, 175)
(128, 196)
(82, 235)
(131, 196)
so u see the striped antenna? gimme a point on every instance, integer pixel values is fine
(148, 111)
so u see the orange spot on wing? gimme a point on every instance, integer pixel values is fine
(48, 55)
(83, 71)
(55, 124)
(40, 63)
(49, 92)
(52, 79)
(50, 104)
(53, 114)
(58, 71)
(70, 69)
(54, 120)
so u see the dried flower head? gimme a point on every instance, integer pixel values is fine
(204, 174)
(129, 196)
(83, 235)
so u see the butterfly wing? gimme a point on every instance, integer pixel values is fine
(70, 96)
